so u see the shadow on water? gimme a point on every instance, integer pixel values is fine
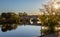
(9, 27)
(6, 27)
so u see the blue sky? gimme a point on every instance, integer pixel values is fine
(29, 6)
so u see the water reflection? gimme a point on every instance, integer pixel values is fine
(18, 30)
(33, 30)
(27, 30)
(46, 32)
(6, 27)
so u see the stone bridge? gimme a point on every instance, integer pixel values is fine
(32, 19)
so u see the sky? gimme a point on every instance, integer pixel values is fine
(29, 6)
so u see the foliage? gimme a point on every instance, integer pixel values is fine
(50, 16)
(11, 17)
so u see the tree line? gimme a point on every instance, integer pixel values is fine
(11, 17)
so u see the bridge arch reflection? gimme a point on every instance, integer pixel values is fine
(30, 20)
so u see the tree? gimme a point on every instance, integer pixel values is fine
(15, 17)
(50, 15)
(3, 15)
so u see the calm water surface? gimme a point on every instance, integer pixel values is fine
(22, 31)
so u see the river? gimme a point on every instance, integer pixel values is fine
(20, 31)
